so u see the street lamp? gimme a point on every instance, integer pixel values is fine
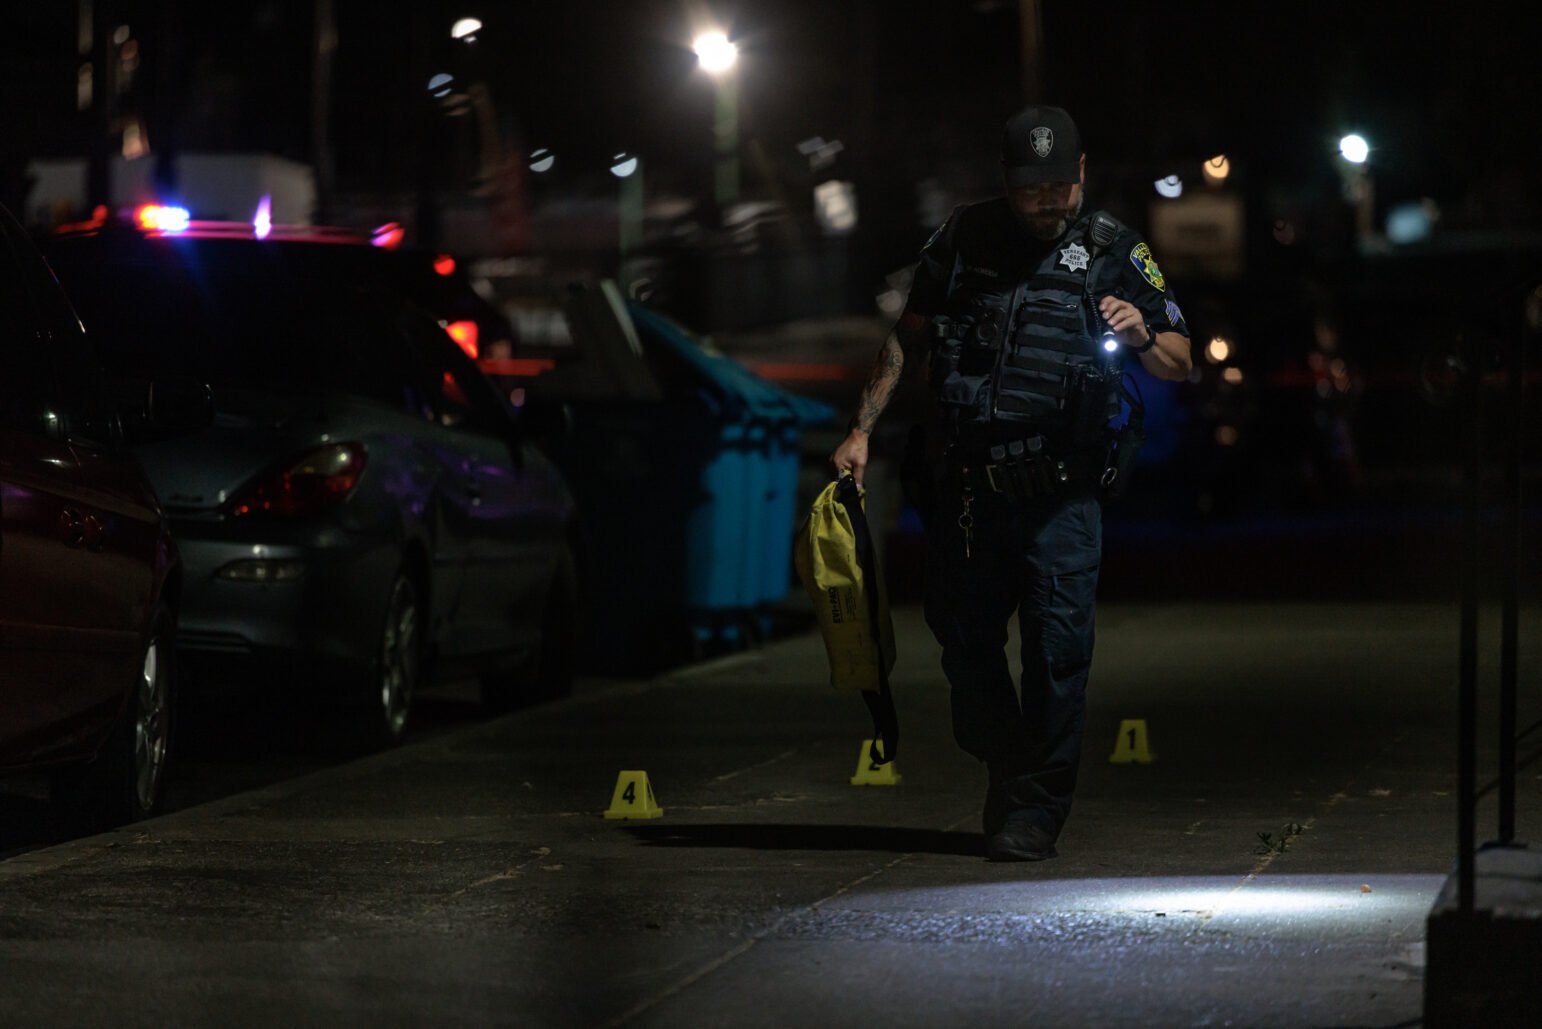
(466, 29)
(717, 57)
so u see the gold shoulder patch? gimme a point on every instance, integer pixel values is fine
(1142, 259)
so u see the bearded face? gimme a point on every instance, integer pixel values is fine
(1045, 209)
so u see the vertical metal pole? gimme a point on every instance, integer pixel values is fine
(1466, 843)
(321, 109)
(725, 132)
(1030, 20)
(1511, 614)
(631, 211)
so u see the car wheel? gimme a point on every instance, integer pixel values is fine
(388, 693)
(126, 781)
(550, 675)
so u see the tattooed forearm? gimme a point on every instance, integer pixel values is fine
(880, 384)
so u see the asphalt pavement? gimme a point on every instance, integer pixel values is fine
(1273, 865)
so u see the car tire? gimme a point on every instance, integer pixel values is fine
(126, 781)
(378, 718)
(549, 675)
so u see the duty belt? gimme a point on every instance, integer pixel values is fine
(1023, 469)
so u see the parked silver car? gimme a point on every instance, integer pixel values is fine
(364, 503)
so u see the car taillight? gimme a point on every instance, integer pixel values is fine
(464, 333)
(317, 481)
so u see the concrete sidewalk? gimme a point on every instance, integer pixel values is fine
(471, 880)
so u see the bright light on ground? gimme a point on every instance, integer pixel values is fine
(715, 52)
(1354, 148)
(1346, 902)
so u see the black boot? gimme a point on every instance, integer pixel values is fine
(1020, 841)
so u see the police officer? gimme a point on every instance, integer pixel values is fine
(1023, 313)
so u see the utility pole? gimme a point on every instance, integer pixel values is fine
(1030, 19)
(96, 98)
(321, 109)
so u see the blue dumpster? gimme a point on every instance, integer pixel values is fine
(751, 485)
(686, 490)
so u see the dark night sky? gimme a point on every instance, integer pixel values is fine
(910, 88)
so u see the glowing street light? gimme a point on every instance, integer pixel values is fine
(1216, 169)
(1354, 148)
(466, 29)
(623, 164)
(1170, 187)
(715, 53)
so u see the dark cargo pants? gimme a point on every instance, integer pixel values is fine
(1040, 559)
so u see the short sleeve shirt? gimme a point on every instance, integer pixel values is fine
(1140, 281)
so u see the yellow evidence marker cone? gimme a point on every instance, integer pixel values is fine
(633, 797)
(871, 773)
(1131, 744)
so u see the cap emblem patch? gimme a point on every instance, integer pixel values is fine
(1043, 140)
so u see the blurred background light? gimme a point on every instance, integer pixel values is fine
(1219, 349)
(1216, 169)
(388, 236)
(835, 206)
(467, 29)
(262, 221)
(1354, 148)
(1412, 223)
(541, 160)
(623, 164)
(1170, 187)
(715, 52)
(440, 84)
(158, 218)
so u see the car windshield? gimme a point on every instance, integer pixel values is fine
(227, 312)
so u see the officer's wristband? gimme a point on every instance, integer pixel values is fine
(1150, 341)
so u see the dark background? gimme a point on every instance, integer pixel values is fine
(1339, 410)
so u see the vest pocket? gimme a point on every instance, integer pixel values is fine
(1033, 387)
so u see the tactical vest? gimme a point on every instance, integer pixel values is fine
(1017, 351)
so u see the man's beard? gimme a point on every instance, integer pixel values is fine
(1050, 224)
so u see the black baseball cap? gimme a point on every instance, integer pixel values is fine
(1041, 144)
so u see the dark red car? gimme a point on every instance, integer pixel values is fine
(88, 573)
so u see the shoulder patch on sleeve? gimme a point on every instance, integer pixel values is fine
(1141, 258)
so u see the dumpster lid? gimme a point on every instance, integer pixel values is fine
(730, 379)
